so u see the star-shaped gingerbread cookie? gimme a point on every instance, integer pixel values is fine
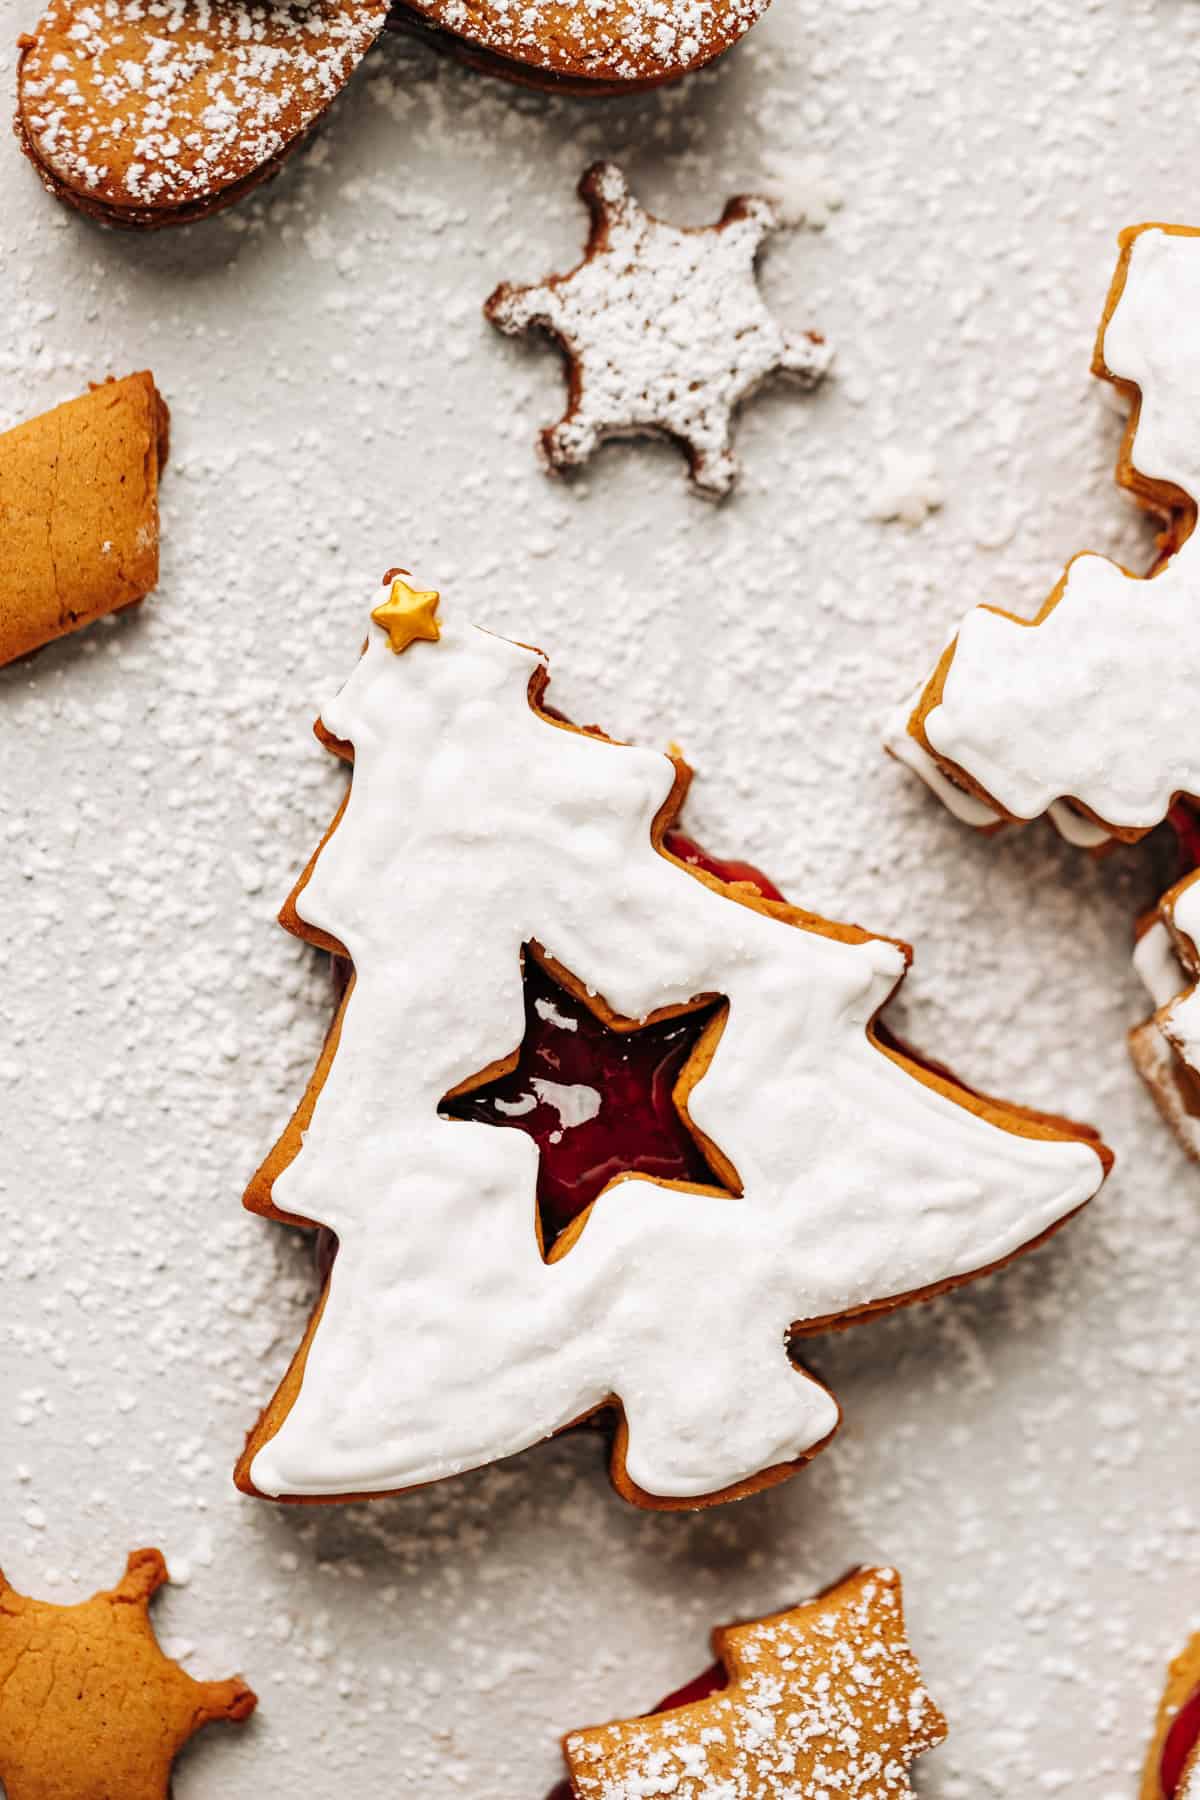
(90, 1708)
(664, 330)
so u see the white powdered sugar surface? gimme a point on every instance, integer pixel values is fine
(1025, 1452)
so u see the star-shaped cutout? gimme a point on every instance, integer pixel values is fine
(664, 329)
(408, 614)
(89, 1705)
(599, 1099)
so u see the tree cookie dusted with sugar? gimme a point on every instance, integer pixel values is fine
(596, 46)
(90, 1708)
(1172, 1766)
(1088, 711)
(825, 1699)
(664, 330)
(732, 1150)
(155, 115)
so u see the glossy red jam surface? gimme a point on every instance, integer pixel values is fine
(597, 1102)
(1180, 1741)
(711, 1682)
(1185, 823)
(688, 851)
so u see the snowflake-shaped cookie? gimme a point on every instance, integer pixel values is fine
(664, 330)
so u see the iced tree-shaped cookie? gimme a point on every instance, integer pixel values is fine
(497, 875)
(664, 330)
(1088, 711)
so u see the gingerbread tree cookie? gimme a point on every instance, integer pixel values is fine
(664, 330)
(824, 1699)
(1172, 1767)
(1087, 711)
(90, 1708)
(485, 841)
(79, 511)
(156, 115)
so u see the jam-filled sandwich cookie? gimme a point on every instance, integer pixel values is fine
(79, 511)
(1166, 1046)
(585, 46)
(826, 1699)
(516, 1255)
(157, 115)
(1088, 711)
(663, 330)
(1172, 1768)
(90, 1708)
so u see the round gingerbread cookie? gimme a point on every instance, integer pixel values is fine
(152, 116)
(590, 44)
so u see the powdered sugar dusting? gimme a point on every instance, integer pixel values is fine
(826, 1699)
(338, 405)
(158, 107)
(617, 39)
(665, 329)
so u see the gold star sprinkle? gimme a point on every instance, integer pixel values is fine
(407, 615)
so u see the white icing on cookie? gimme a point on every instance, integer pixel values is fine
(1097, 702)
(1083, 832)
(899, 742)
(474, 826)
(1156, 964)
(1171, 1036)
(1180, 1019)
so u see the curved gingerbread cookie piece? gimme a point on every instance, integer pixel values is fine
(156, 115)
(79, 511)
(590, 44)
(1172, 1767)
(1087, 711)
(824, 1699)
(89, 1705)
(835, 1176)
(664, 330)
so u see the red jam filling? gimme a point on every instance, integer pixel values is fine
(597, 1102)
(1185, 823)
(1178, 1746)
(688, 851)
(713, 1681)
